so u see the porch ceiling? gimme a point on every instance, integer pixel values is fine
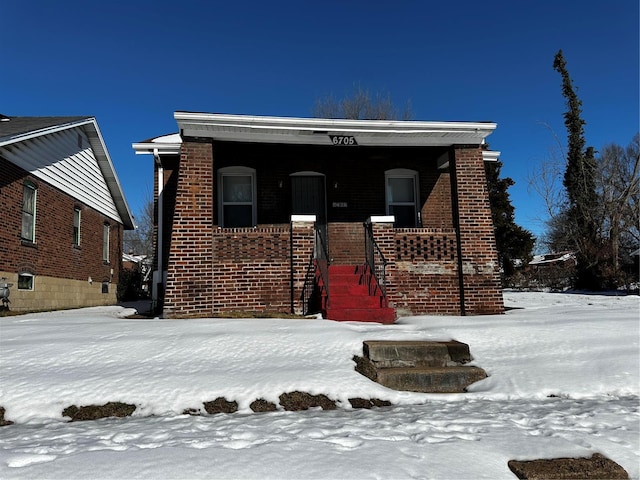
(318, 131)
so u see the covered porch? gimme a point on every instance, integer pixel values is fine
(251, 210)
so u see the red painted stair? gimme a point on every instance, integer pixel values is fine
(350, 298)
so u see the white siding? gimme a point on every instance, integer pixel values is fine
(58, 159)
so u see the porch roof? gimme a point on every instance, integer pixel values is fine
(319, 131)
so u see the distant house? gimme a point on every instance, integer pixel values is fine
(553, 270)
(141, 265)
(357, 219)
(62, 213)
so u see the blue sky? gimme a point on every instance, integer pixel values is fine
(131, 64)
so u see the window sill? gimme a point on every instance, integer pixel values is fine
(28, 243)
(76, 247)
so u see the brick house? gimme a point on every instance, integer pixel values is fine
(62, 213)
(357, 219)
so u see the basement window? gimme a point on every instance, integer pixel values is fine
(25, 281)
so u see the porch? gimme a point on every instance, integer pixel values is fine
(293, 268)
(267, 213)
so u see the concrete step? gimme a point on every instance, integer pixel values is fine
(430, 380)
(419, 366)
(394, 354)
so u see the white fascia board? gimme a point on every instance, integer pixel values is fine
(312, 124)
(316, 131)
(109, 173)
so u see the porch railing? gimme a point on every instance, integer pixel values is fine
(376, 263)
(315, 291)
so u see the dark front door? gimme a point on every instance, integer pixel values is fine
(308, 197)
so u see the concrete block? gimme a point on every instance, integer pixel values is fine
(396, 354)
(595, 467)
(430, 380)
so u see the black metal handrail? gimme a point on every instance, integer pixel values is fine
(316, 280)
(376, 263)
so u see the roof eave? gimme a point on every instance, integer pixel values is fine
(318, 130)
(109, 173)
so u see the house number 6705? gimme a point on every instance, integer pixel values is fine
(343, 140)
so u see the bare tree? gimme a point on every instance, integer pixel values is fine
(618, 185)
(361, 105)
(615, 217)
(140, 240)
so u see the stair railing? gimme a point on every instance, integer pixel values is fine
(376, 263)
(322, 262)
(316, 279)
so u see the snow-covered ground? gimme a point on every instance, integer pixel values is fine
(564, 380)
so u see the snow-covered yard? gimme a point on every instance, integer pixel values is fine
(564, 380)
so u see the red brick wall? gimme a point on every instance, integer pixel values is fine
(302, 243)
(251, 269)
(436, 211)
(482, 288)
(346, 243)
(53, 253)
(189, 289)
(426, 273)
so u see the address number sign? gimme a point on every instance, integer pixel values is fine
(343, 140)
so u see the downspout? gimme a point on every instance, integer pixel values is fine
(455, 206)
(159, 246)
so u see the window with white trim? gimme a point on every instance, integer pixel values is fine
(76, 226)
(105, 243)
(401, 186)
(237, 197)
(29, 191)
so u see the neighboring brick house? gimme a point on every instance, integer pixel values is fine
(358, 219)
(62, 213)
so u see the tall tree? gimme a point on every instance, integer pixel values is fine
(579, 183)
(513, 242)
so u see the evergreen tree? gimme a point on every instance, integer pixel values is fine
(580, 187)
(513, 242)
